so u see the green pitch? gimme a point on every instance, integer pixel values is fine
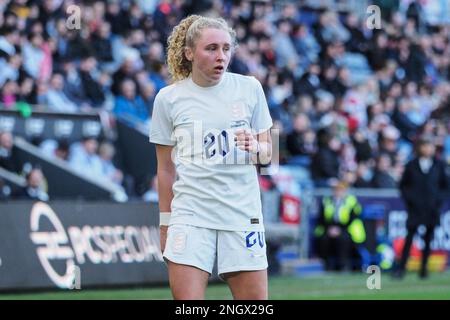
(326, 286)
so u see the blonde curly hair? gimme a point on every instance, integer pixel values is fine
(184, 35)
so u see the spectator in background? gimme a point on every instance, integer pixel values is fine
(7, 159)
(355, 103)
(402, 120)
(9, 39)
(9, 93)
(36, 186)
(363, 176)
(62, 150)
(27, 91)
(129, 104)
(357, 40)
(154, 56)
(138, 42)
(106, 152)
(78, 46)
(309, 81)
(301, 141)
(83, 157)
(56, 99)
(124, 50)
(267, 54)
(284, 47)
(306, 45)
(158, 74)
(33, 55)
(378, 52)
(93, 87)
(323, 109)
(11, 69)
(73, 86)
(115, 16)
(331, 83)
(148, 95)
(58, 149)
(362, 145)
(125, 71)
(305, 105)
(382, 177)
(102, 45)
(388, 143)
(325, 162)
(61, 41)
(332, 29)
(41, 93)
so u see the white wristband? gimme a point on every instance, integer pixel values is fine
(164, 218)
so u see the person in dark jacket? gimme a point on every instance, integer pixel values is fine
(7, 156)
(92, 88)
(35, 187)
(301, 141)
(423, 187)
(325, 162)
(382, 177)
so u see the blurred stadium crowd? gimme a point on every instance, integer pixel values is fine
(348, 101)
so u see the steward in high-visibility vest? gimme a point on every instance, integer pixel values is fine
(348, 216)
(339, 228)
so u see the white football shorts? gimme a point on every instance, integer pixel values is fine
(198, 247)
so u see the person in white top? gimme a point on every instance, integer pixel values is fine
(210, 128)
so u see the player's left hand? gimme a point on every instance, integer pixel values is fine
(245, 140)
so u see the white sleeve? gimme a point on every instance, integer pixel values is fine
(261, 119)
(161, 125)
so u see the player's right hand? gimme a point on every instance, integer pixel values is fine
(245, 141)
(163, 237)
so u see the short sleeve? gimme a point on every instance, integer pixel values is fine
(161, 126)
(261, 119)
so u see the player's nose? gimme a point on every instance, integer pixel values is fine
(221, 56)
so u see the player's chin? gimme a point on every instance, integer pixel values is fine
(217, 73)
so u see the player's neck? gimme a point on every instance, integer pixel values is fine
(201, 81)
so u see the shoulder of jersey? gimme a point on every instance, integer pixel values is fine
(244, 80)
(241, 77)
(169, 91)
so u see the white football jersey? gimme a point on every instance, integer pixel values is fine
(217, 186)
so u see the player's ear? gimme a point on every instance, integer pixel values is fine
(189, 54)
